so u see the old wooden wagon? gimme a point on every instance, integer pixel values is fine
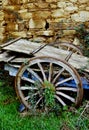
(41, 69)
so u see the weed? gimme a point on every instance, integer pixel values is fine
(49, 94)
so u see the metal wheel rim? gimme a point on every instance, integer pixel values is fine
(70, 47)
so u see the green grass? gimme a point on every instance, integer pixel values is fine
(11, 119)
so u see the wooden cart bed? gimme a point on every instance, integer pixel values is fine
(23, 46)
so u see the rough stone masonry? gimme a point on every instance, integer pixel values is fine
(42, 20)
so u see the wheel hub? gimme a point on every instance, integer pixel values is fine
(49, 85)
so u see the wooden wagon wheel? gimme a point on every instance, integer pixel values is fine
(42, 73)
(70, 47)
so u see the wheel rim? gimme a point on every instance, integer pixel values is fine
(41, 73)
(70, 47)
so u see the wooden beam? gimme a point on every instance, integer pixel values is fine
(10, 42)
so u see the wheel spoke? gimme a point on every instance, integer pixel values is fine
(66, 96)
(42, 71)
(60, 100)
(59, 73)
(76, 52)
(38, 102)
(28, 80)
(26, 98)
(50, 72)
(67, 89)
(28, 88)
(30, 96)
(63, 81)
(35, 74)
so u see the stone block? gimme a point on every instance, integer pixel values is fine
(21, 25)
(18, 34)
(2, 23)
(41, 5)
(59, 25)
(87, 8)
(61, 4)
(74, 1)
(68, 3)
(1, 15)
(29, 34)
(12, 27)
(2, 30)
(53, 5)
(82, 7)
(11, 7)
(58, 13)
(37, 23)
(14, 2)
(22, 11)
(7, 17)
(28, 6)
(24, 1)
(81, 16)
(45, 33)
(83, 1)
(25, 15)
(32, 1)
(39, 39)
(5, 2)
(2, 38)
(76, 41)
(68, 32)
(50, 1)
(41, 14)
(71, 9)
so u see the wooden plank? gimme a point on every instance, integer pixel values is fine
(10, 42)
(5, 57)
(22, 46)
(19, 60)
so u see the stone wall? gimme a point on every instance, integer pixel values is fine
(2, 29)
(42, 20)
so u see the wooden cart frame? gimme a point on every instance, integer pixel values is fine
(41, 67)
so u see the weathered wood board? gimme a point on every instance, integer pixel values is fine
(26, 47)
(5, 56)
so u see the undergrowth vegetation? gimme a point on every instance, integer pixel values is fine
(12, 119)
(83, 34)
